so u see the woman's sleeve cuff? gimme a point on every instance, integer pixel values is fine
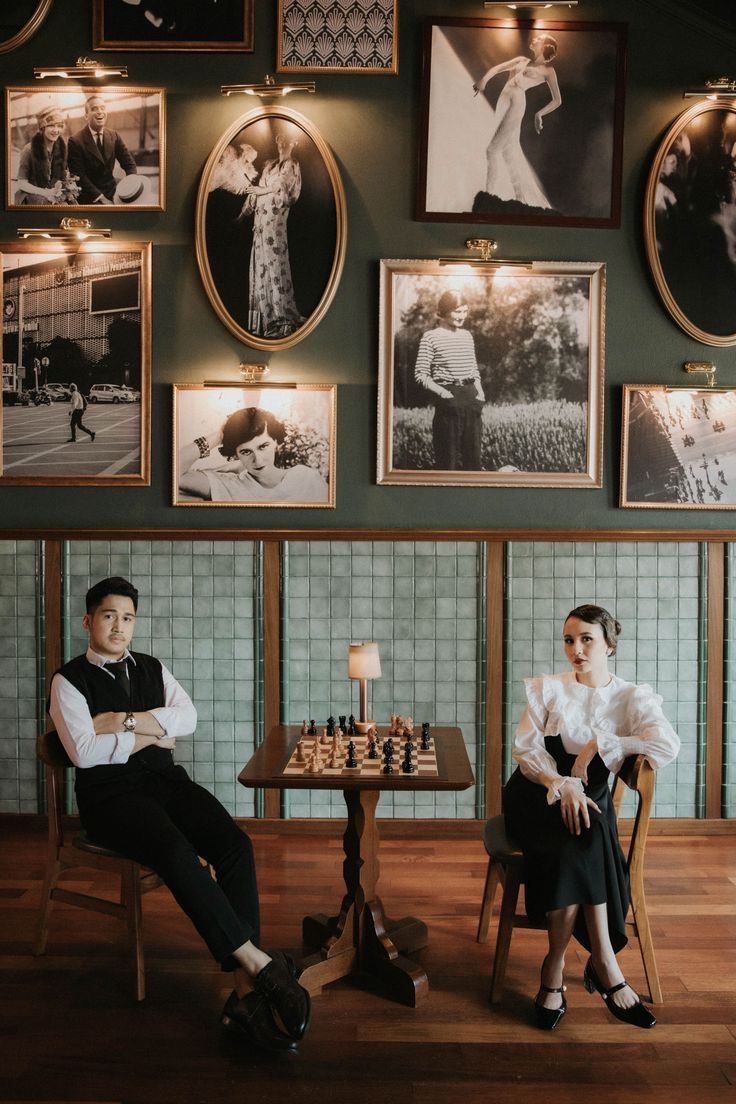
(554, 789)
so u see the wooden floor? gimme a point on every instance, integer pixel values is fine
(70, 1030)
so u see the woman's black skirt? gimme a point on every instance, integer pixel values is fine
(560, 868)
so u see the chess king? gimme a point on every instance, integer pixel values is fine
(118, 714)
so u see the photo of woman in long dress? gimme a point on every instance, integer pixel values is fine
(272, 309)
(509, 175)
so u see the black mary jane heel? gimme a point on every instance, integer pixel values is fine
(638, 1015)
(548, 1018)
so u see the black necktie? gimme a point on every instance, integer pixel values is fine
(120, 671)
(98, 139)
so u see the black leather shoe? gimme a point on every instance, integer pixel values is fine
(277, 982)
(548, 1018)
(251, 1017)
(638, 1015)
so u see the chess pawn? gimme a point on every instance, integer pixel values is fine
(305, 729)
(408, 749)
(392, 726)
(387, 760)
(407, 767)
(314, 766)
(326, 736)
(312, 730)
(334, 761)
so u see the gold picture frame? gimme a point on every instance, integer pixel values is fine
(76, 313)
(267, 291)
(690, 222)
(28, 29)
(154, 26)
(338, 37)
(251, 445)
(530, 342)
(677, 449)
(53, 164)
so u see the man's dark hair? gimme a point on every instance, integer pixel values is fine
(116, 585)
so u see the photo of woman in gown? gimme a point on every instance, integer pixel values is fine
(576, 730)
(272, 309)
(250, 472)
(509, 175)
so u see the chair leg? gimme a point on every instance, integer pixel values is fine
(512, 882)
(53, 870)
(489, 893)
(131, 894)
(641, 922)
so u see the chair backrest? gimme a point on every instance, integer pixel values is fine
(638, 774)
(50, 751)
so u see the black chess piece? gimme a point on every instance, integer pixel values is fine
(343, 722)
(407, 767)
(426, 738)
(330, 726)
(388, 747)
(372, 750)
(351, 760)
(351, 726)
(312, 730)
(387, 761)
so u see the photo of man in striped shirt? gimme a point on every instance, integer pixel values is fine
(446, 365)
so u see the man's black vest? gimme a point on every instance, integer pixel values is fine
(103, 694)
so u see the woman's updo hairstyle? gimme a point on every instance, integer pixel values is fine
(244, 425)
(597, 615)
(549, 46)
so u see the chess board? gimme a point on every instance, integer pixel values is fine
(425, 762)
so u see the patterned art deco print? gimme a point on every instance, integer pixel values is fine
(336, 35)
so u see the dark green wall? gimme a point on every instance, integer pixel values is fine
(371, 124)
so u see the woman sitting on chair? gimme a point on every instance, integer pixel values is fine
(577, 728)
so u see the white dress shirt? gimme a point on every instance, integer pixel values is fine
(73, 721)
(623, 718)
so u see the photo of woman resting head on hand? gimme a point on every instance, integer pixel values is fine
(251, 444)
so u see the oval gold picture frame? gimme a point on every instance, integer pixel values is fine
(690, 222)
(301, 229)
(28, 29)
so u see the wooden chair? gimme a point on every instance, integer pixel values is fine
(82, 852)
(505, 866)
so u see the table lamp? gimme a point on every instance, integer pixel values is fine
(363, 663)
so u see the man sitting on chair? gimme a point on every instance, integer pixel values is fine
(119, 714)
(93, 152)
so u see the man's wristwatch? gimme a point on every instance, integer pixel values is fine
(130, 722)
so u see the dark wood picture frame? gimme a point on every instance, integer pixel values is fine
(271, 263)
(512, 131)
(101, 293)
(535, 334)
(129, 170)
(690, 222)
(171, 26)
(678, 447)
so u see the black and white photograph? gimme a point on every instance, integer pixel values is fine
(240, 445)
(492, 377)
(88, 149)
(335, 36)
(76, 363)
(678, 447)
(522, 122)
(271, 228)
(690, 222)
(207, 25)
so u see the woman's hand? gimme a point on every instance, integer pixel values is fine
(538, 122)
(582, 762)
(574, 808)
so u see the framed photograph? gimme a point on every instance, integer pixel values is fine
(338, 36)
(529, 118)
(271, 228)
(493, 376)
(211, 25)
(89, 148)
(254, 445)
(690, 222)
(76, 363)
(21, 22)
(678, 448)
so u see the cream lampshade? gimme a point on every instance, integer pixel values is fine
(363, 663)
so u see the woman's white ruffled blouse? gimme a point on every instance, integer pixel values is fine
(623, 718)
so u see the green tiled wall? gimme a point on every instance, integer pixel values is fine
(21, 676)
(196, 614)
(729, 688)
(653, 589)
(420, 601)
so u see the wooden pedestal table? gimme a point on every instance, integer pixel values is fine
(361, 939)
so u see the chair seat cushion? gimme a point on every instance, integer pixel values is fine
(84, 843)
(497, 843)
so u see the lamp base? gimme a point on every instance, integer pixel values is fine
(363, 727)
